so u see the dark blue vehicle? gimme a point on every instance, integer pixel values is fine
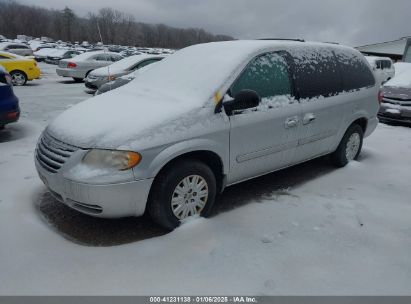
(9, 103)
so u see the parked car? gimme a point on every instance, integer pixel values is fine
(98, 77)
(122, 80)
(16, 48)
(396, 98)
(383, 68)
(21, 69)
(114, 84)
(9, 103)
(80, 66)
(42, 54)
(60, 54)
(207, 117)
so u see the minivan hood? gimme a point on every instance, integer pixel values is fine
(110, 120)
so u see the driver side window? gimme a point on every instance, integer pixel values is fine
(267, 75)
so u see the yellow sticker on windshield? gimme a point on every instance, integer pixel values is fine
(217, 97)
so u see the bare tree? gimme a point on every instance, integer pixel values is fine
(116, 27)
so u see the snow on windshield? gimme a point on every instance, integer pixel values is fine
(123, 64)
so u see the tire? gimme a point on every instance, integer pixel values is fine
(78, 80)
(169, 184)
(350, 146)
(19, 78)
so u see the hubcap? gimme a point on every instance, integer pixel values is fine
(189, 197)
(18, 79)
(353, 145)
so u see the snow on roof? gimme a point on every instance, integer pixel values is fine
(88, 55)
(50, 52)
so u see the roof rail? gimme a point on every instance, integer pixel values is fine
(286, 39)
(331, 42)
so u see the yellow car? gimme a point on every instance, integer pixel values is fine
(21, 69)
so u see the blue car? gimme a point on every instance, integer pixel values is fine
(9, 103)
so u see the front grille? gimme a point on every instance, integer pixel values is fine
(393, 101)
(52, 153)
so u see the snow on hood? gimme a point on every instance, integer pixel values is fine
(402, 79)
(185, 81)
(122, 65)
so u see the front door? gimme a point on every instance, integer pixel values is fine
(265, 138)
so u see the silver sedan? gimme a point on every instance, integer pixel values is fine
(101, 76)
(80, 66)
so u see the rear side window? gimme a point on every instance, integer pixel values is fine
(267, 74)
(316, 72)
(354, 70)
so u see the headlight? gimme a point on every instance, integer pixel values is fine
(111, 78)
(112, 159)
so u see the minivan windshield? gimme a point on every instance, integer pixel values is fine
(195, 73)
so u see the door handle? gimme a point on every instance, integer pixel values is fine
(291, 122)
(309, 118)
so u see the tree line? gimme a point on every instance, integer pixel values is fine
(114, 26)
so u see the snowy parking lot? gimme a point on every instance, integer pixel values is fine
(308, 230)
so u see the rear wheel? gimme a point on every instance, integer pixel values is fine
(350, 146)
(78, 79)
(185, 189)
(18, 78)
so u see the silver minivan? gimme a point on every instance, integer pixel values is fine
(207, 117)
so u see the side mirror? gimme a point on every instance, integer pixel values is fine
(245, 99)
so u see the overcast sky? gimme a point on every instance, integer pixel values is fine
(353, 22)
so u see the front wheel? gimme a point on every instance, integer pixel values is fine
(187, 188)
(18, 78)
(350, 146)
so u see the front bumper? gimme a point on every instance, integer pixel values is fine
(104, 200)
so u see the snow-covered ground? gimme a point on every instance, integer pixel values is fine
(307, 230)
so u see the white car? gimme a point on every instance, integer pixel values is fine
(80, 66)
(383, 68)
(16, 48)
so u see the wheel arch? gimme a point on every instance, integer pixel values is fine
(360, 119)
(204, 152)
(18, 70)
